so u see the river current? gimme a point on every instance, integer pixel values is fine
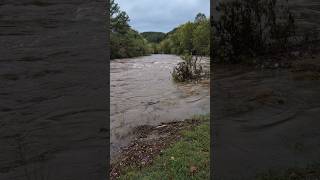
(143, 93)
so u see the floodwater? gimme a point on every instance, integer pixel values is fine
(143, 93)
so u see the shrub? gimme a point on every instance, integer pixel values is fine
(188, 70)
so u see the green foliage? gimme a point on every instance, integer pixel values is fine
(201, 40)
(124, 41)
(188, 70)
(153, 37)
(191, 37)
(165, 46)
(185, 36)
(118, 19)
(173, 31)
(129, 44)
(251, 28)
(154, 48)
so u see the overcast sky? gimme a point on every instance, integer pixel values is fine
(162, 15)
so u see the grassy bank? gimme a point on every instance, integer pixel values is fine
(188, 158)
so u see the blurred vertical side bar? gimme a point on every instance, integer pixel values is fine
(266, 118)
(54, 90)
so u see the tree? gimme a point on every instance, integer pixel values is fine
(119, 20)
(125, 42)
(166, 46)
(185, 36)
(191, 38)
(200, 18)
(154, 37)
(201, 38)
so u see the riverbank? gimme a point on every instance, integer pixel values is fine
(176, 150)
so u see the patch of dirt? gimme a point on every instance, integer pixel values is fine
(150, 142)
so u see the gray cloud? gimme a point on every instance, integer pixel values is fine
(162, 15)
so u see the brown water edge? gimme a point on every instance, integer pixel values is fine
(143, 93)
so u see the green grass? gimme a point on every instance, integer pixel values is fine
(176, 162)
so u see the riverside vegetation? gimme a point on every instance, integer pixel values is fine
(190, 41)
(248, 32)
(125, 41)
(183, 151)
(191, 37)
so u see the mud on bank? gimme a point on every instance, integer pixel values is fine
(151, 142)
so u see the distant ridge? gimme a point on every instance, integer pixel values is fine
(154, 37)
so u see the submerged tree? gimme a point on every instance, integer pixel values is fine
(188, 70)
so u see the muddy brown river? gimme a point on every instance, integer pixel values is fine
(143, 93)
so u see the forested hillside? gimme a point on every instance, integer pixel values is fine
(191, 37)
(124, 41)
(153, 37)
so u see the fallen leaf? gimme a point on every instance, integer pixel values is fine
(193, 169)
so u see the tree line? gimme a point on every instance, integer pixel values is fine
(191, 38)
(125, 42)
